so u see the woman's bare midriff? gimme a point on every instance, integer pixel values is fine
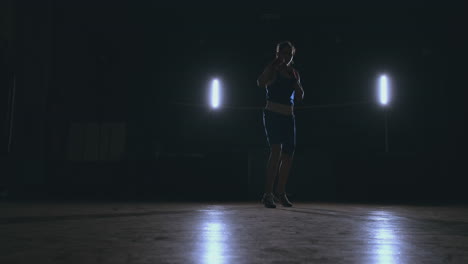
(279, 108)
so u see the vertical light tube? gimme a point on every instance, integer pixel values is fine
(215, 94)
(384, 90)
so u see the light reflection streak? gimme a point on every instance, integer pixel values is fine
(213, 238)
(384, 240)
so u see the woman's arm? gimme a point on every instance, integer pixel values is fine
(268, 75)
(298, 90)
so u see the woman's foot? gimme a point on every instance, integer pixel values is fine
(282, 199)
(268, 200)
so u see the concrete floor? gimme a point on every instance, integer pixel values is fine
(231, 233)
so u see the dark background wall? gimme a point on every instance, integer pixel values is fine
(110, 100)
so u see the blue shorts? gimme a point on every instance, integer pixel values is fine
(280, 129)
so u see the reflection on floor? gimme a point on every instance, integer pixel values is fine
(231, 233)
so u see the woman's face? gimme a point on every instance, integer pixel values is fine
(285, 55)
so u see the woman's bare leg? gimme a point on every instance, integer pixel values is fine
(272, 167)
(285, 167)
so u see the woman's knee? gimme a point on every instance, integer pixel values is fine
(286, 158)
